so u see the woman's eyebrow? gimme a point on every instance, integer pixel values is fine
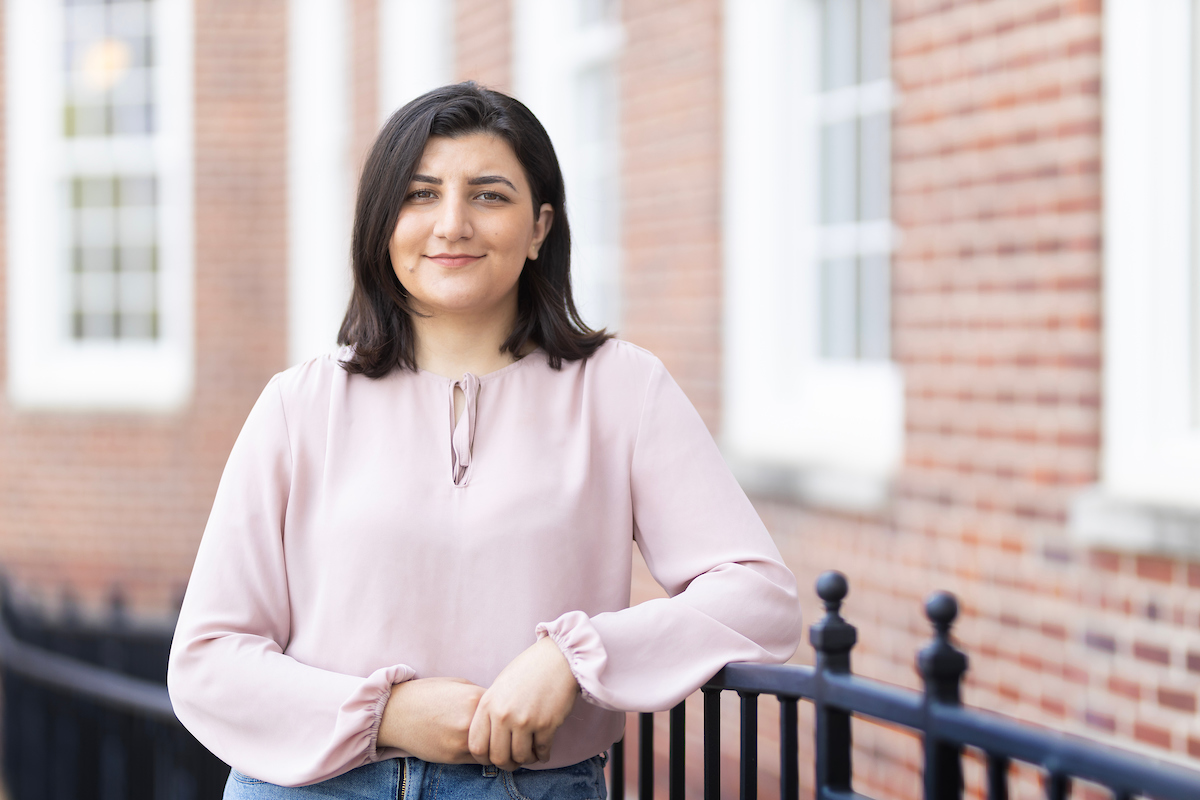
(486, 179)
(482, 180)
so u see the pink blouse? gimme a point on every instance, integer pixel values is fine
(360, 538)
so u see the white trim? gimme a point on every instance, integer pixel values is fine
(836, 426)
(320, 175)
(1151, 443)
(47, 369)
(416, 50)
(553, 50)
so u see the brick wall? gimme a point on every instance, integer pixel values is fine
(93, 500)
(483, 43)
(671, 189)
(364, 80)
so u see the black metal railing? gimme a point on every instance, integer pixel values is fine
(936, 714)
(86, 713)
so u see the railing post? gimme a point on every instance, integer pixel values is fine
(941, 666)
(712, 744)
(676, 747)
(832, 638)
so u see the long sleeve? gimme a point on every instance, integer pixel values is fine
(730, 596)
(231, 683)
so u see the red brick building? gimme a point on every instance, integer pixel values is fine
(925, 268)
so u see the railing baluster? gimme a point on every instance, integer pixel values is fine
(676, 751)
(832, 638)
(748, 772)
(712, 744)
(1058, 786)
(645, 756)
(789, 746)
(616, 788)
(997, 777)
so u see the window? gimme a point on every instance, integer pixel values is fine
(812, 404)
(99, 204)
(853, 117)
(566, 72)
(1151, 442)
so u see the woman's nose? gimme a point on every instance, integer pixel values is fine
(454, 221)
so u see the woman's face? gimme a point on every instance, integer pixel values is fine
(466, 227)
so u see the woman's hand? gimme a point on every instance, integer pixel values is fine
(430, 718)
(517, 717)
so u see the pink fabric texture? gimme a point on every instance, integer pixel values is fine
(358, 540)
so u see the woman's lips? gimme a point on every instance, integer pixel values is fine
(453, 260)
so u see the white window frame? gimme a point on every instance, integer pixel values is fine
(829, 432)
(47, 367)
(550, 52)
(1151, 439)
(1148, 497)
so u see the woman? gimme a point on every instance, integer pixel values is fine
(416, 573)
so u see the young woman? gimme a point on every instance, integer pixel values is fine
(415, 578)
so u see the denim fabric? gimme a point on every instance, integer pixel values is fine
(414, 779)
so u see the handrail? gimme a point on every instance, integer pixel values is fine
(73, 676)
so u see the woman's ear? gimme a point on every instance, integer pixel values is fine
(541, 229)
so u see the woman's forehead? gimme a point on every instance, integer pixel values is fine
(470, 156)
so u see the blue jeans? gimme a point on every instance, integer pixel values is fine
(414, 779)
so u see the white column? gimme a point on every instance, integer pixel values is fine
(320, 191)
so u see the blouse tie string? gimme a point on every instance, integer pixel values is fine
(462, 437)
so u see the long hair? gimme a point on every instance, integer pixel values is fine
(378, 323)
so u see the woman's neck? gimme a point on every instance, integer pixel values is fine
(449, 345)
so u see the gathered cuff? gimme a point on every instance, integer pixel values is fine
(580, 643)
(367, 703)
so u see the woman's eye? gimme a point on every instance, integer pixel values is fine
(420, 194)
(492, 197)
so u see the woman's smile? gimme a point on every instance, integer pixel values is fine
(453, 260)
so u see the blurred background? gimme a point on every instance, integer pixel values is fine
(927, 269)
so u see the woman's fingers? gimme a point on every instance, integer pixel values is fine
(479, 735)
(542, 742)
(521, 747)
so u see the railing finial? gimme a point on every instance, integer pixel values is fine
(832, 589)
(831, 636)
(942, 609)
(940, 663)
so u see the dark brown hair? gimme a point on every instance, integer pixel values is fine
(378, 323)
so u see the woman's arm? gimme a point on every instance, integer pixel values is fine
(429, 718)
(231, 683)
(731, 596)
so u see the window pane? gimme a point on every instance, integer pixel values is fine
(874, 307)
(839, 43)
(107, 57)
(839, 308)
(592, 12)
(874, 162)
(874, 25)
(839, 154)
(108, 51)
